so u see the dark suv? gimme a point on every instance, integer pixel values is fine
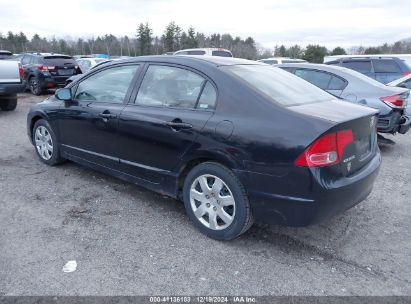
(382, 69)
(46, 71)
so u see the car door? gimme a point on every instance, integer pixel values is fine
(164, 119)
(88, 123)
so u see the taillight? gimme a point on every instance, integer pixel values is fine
(406, 73)
(21, 72)
(326, 150)
(45, 68)
(395, 101)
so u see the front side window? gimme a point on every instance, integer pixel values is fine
(109, 85)
(280, 86)
(170, 87)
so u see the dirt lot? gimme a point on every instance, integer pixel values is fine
(130, 241)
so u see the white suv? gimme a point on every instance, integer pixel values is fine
(205, 52)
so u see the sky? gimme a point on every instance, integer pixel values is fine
(331, 23)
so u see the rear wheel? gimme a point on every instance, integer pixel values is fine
(45, 142)
(216, 201)
(34, 86)
(8, 103)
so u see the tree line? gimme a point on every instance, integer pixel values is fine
(174, 38)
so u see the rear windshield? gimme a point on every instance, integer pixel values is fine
(280, 86)
(365, 78)
(221, 54)
(360, 66)
(385, 66)
(59, 60)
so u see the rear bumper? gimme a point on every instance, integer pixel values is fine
(405, 124)
(393, 123)
(326, 200)
(12, 88)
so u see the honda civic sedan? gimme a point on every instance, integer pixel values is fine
(237, 141)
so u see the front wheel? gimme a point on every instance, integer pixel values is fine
(45, 142)
(216, 201)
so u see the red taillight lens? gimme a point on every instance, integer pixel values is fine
(406, 73)
(21, 72)
(45, 68)
(395, 101)
(326, 150)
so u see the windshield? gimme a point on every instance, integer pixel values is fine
(281, 86)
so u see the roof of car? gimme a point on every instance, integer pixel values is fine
(214, 60)
(314, 66)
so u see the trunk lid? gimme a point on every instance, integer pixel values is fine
(359, 119)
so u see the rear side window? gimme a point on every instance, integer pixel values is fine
(386, 66)
(208, 97)
(337, 83)
(221, 54)
(359, 66)
(110, 85)
(278, 85)
(196, 52)
(270, 61)
(317, 78)
(26, 60)
(59, 60)
(170, 87)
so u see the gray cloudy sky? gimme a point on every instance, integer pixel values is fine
(270, 22)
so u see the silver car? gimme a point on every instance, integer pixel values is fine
(358, 88)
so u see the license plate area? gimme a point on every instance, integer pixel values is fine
(64, 72)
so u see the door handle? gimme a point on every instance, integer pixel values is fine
(178, 124)
(107, 115)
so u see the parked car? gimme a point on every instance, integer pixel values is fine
(404, 82)
(236, 140)
(5, 55)
(205, 52)
(382, 69)
(357, 88)
(11, 83)
(87, 63)
(280, 60)
(74, 77)
(45, 71)
(404, 57)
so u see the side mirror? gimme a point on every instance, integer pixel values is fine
(63, 94)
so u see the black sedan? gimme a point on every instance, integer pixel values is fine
(236, 140)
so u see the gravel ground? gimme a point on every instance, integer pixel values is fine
(130, 241)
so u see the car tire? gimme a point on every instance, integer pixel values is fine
(216, 201)
(34, 86)
(46, 143)
(8, 103)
